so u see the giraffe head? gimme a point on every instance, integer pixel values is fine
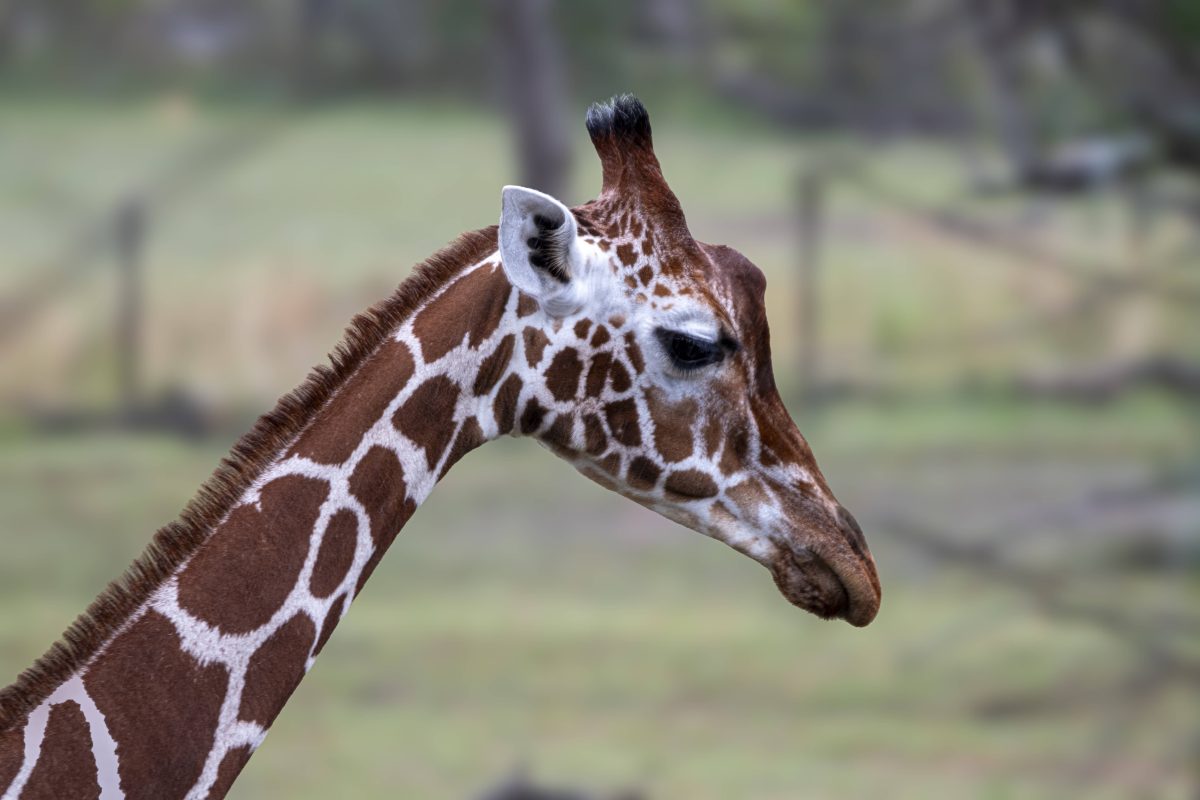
(649, 369)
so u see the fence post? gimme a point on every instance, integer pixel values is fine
(811, 218)
(130, 234)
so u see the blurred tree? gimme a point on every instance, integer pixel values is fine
(534, 89)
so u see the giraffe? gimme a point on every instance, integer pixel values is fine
(606, 332)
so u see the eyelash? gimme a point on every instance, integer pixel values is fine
(689, 353)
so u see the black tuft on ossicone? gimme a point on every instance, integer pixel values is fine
(623, 118)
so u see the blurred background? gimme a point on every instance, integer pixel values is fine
(980, 221)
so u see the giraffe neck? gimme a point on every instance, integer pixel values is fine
(176, 701)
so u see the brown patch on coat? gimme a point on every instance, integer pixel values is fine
(423, 417)
(645, 275)
(137, 684)
(622, 419)
(231, 766)
(493, 366)
(470, 436)
(336, 554)
(669, 266)
(470, 308)
(251, 562)
(582, 327)
(634, 353)
(276, 669)
(526, 305)
(672, 426)
(597, 375)
(661, 290)
(560, 434)
(378, 483)
(690, 484)
(611, 464)
(620, 377)
(642, 473)
(600, 337)
(535, 344)
(532, 417)
(332, 617)
(562, 376)
(65, 766)
(595, 440)
(358, 405)
(736, 452)
(504, 407)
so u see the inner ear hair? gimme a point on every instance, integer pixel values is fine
(550, 249)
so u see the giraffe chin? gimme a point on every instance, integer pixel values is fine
(809, 582)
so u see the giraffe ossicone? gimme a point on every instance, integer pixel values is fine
(606, 332)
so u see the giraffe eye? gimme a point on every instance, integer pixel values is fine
(689, 353)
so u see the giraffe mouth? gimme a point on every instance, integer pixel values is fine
(809, 582)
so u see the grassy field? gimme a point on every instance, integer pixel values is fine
(525, 615)
(581, 634)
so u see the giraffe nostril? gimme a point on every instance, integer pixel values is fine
(853, 531)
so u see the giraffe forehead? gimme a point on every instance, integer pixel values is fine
(659, 266)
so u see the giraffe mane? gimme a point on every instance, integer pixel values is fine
(250, 456)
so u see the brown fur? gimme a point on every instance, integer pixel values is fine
(357, 405)
(378, 483)
(12, 752)
(252, 560)
(276, 669)
(66, 758)
(136, 694)
(336, 554)
(231, 767)
(412, 418)
(271, 435)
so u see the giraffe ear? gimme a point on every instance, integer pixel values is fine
(539, 248)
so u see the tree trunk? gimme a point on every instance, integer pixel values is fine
(533, 84)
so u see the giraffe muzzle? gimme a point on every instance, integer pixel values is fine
(833, 577)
